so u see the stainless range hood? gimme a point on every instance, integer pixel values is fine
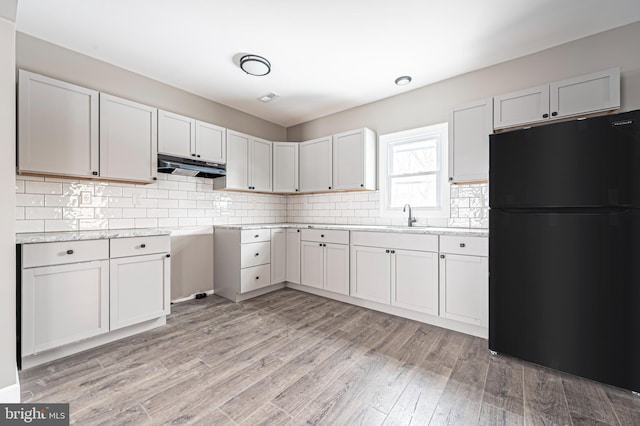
(189, 167)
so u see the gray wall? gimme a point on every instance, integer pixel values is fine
(7, 207)
(39, 56)
(432, 104)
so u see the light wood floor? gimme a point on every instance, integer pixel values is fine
(293, 358)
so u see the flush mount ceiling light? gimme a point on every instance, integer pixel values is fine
(255, 65)
(403, 81)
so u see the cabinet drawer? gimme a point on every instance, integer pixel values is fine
(45, 254)
(475, 246)
(255, 235)
(390, 240)
(325, 236)
(137, 246)
(255, 277)
(255, 254)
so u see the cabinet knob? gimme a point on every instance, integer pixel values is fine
(154, 178)
(442, 256)
(554, 113)
(393, 251)
(321, 235)
(168, 255)
(320, 244)
(545, 115)
(69, 251)
(463, 245)
(297, 190)
(386, 251)
(256, 236)
(143, 245)
(257, 278)
(198, 155)
(329, 187)
(193, 155)
(257, 254)
(94, 173)
(450, 178)
(362, 185)
(297, 230)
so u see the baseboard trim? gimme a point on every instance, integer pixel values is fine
(11, 394)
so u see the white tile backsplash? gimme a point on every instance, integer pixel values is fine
(54, 204)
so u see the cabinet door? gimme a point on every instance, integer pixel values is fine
(237, 161)
(260, 165)
(315, 165)
(285, 167)
(211, 143)
(293, 256)
(464, 288)
(585, 94)
(128, 140)
(63, 304)
(57, 127)
(312, 264)
(371, 274)
(469, 133)
(176, 134)
(139, 289)
(414, 280)
(521, 107)
(336, 268)
(348, 160)
(278, 255)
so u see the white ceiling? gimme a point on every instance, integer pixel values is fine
(326, 55)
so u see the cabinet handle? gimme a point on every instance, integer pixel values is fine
(94, 173)
(393, 251)
(143, 245)
(463, 245)
(69, 251)
(554, 113)
(257, 254)
(387, 251)
(545, 115)
(442, 256)
(256, 236)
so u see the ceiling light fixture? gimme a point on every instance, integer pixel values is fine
(403, 80)
(255, 65)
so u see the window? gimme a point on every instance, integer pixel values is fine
(413, 170)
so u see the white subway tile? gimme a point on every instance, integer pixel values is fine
(204, 221)
(120, 202)
(167, 184)
(20, 184)
(188, 204)
(121, 223)
(178, 213)
(29, 226)
(112, 191)
(108, 213)
(187, 186)
(75, 188)
(157, 213)
(146, 223)
(165, 222)
(25, 200)
(178, 195)
(91, 224)
(168, 204)
(145, 202)
(134, 213)
(157, 193)
(60, 225)
(78, 213)
(32, 178)
(134, 192)
(20, 213)
(188, 221)
(43, 213)
(61, 200)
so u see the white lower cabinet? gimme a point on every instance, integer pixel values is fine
(278, 255)
(139, 290)
(371, 274)
(62, 304)
(293, 256)
(464, 279)
(324, 260)
(414, 280)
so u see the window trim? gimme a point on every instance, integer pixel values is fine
(442, 175)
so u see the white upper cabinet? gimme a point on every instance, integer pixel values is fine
(585, 94)
(471, 125)
(248, 163)
(128, 140)
(285, 167)
(315, 165)
(354, 160)
(588, 93)
(176, 134)
(211, 143)
(57, 127)
(521, 107)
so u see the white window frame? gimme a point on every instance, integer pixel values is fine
(441, 132)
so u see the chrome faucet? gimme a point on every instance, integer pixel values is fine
(410, 220)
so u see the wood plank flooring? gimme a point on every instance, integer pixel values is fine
(290, 358)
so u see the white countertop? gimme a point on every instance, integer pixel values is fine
(470, 232)
(50, 237)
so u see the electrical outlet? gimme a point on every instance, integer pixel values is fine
(85, 197)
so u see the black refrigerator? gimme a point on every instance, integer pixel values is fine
(564, 247)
